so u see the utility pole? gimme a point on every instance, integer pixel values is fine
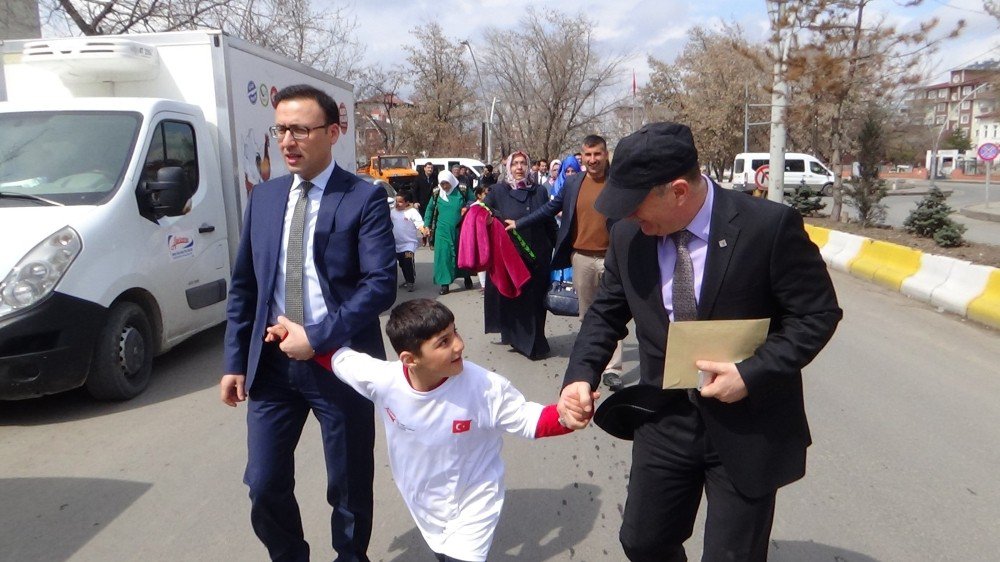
(783, 35)
(487, 112)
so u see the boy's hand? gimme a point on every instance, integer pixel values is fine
(576, 405)
(295, 344)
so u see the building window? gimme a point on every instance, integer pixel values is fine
(956, 78)
(966, 104)
(939, 120)
(942, 107)
(942, 93)
(966, 90)
(964, 119)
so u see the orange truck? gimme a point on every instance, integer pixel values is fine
(396, 170)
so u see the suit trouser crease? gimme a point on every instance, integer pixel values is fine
(283, 394)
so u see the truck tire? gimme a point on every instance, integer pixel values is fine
(827, 190)
(123, 358)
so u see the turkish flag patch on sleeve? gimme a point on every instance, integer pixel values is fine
(461, 426)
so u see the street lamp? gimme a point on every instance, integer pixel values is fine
(937, 140)
(487, 112)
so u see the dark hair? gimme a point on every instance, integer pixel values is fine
(481, 190)
(413, 322)
(594, 140)
(305, 91)
(407, 195)
(489, 168)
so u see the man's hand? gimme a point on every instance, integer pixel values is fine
(295, 345)
(511, 224)
(232, 389)
(576, 405)
(727, 385)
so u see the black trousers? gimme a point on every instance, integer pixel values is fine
(283, 393)
(405, 260)
(673, 460)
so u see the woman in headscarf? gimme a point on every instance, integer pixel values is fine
(443, 215)
(568, 167)
(521, 320)
(550, 179)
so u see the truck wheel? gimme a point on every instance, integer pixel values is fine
(827, 190)
(123, 358)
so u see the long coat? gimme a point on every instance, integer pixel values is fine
(444, 218)
(521, 320)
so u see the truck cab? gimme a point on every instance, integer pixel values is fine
(397, 170)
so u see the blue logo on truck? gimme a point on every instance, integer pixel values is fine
(252, 92)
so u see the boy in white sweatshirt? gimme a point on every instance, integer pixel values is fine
(444, 422)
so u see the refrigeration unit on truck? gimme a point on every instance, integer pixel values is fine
(125, 162)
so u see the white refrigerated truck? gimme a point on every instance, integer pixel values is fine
(125, 162)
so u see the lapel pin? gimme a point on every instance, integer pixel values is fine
(722, 243)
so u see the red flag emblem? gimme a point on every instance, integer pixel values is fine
(461, 426)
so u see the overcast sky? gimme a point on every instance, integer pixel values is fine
(649, 27)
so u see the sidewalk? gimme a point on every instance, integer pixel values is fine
(981, 212)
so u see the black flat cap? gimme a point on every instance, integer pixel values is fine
(654, 155)
(624, 411)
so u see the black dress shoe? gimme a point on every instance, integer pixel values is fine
(468, 283)
(409, 287)
(613, 381)
(444, 290)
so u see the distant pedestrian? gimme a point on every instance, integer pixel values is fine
(407, 227)
(443, 215)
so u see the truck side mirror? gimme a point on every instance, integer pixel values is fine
(167, 196)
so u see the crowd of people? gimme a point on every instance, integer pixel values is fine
(651, 241)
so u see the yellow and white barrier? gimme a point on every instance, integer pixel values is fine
(954, 285)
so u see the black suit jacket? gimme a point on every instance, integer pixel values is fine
(760, 264)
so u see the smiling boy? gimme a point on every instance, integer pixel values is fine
(444, 422)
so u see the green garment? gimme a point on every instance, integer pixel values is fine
(449, 214)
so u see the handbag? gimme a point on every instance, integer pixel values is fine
(562, 299)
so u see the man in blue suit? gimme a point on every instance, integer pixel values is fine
(331, 295)
(583, 235)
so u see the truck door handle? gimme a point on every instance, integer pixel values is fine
(205, 229)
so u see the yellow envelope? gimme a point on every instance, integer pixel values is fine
(727, 341)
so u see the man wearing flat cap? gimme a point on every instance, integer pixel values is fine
(691, 250)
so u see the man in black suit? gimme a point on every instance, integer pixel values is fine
(744, 434)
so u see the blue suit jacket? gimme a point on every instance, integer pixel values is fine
(355, 258)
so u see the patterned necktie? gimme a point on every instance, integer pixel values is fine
(294, 254)
(685, 303)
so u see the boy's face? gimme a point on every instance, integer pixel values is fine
(441, 355)
(401, 203)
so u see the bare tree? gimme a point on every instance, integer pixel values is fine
(378, 93)
(439, 123)
(323, 39)
(706, 88)
(553, 84)
(847, 64)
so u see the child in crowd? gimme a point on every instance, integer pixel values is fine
(444, 420)
(407, 224)
(481, 192)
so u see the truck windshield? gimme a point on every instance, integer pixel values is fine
(394, 162)
(70, 158)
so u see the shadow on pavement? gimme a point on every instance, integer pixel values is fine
(808, 551)
(192, 366)
(535, 525)
(51, 518)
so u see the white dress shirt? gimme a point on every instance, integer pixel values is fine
(314, 305)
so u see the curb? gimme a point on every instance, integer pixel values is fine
(973, 213)
(958, 286)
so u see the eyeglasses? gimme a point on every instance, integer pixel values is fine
(298, 132)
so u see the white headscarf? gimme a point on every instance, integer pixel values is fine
(446, 176)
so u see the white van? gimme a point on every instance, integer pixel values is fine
(125, 163)
(800, 169)
(445, 163)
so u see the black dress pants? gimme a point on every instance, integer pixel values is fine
(673, 461)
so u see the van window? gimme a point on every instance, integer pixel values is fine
(817, 168)
(754, 164)
(795, 165)
(172, 145)
(738, 166)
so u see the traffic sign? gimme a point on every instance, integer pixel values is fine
(760, 177)
(988, 151)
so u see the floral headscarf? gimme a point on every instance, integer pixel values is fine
(569, 162)
(446, 176)
(528, 180)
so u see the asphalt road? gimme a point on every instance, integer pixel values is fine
(903, 406)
